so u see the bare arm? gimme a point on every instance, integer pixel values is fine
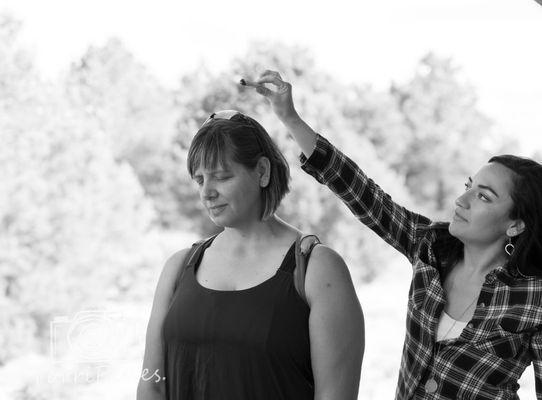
(151, 384)
(282, 103)
(303, 134)
(336, 327)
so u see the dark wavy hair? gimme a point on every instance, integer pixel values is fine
(527, 197)
(243, 140)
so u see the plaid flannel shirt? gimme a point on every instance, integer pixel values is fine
(505, 333)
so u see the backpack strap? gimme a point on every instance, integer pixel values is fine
(303, 247)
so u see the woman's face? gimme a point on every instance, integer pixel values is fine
(230, 193)
(482, 213)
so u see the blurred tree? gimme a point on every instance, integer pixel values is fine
(445, 136)
(71, 215)
(136, 114)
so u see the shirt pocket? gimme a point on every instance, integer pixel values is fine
(511, 333)
(503, 346)
(522, 319)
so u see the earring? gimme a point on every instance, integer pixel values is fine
(509, 248)
(264, 181)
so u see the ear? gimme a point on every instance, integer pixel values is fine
(515, 228)
(264, 171)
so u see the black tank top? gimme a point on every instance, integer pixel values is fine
(250, 344)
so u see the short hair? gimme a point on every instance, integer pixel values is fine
(243, 140)
(527, 197)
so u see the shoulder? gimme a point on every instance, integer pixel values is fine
(323, 255)
(173, 265)
(176, 259)
(327, 273)
(165, 286)
(326, 262)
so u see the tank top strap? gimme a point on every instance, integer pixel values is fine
(198, 254)
(288, 262)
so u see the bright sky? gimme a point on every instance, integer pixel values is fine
(496, 42)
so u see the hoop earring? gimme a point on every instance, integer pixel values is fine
(509, 248)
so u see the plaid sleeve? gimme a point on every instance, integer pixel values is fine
(536, 350)
(367, 201)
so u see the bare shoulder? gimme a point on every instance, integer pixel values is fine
(327, 273)
(176, 259)
(166, 283)
(325, 260)
(171, 270)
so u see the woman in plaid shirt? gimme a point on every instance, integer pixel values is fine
(474, 320)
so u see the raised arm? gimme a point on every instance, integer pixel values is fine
(151, 385)
(336, 326)
(283, 106)
(397, 225)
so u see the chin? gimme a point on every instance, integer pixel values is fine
(454, 230)
(462, 235)
(220, 222)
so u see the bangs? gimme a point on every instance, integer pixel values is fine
(209, 149)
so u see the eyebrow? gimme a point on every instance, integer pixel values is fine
(485, 187)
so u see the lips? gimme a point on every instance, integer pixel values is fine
(217, 209)
(458, 216)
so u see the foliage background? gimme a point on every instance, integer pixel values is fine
(95, 196)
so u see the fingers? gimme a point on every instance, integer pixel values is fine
(264, 91)
(272, 77)
(260, 88)
(274, 74)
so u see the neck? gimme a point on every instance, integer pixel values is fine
(483, 259)
(256, 232)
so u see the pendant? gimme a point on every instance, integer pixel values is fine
(431, 386)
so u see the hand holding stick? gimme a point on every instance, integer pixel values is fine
(283, 106)
(280, 99)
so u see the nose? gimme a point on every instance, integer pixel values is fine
(207, 190)
(463, 201)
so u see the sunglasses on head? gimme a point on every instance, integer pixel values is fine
(229, 114)
(223, 114)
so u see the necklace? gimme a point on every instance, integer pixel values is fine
(458, 319)
(431, 384)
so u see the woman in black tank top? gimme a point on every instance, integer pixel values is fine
(234, 326)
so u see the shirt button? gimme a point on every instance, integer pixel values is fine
(482, 304)
(431, 386)
(470, 325)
